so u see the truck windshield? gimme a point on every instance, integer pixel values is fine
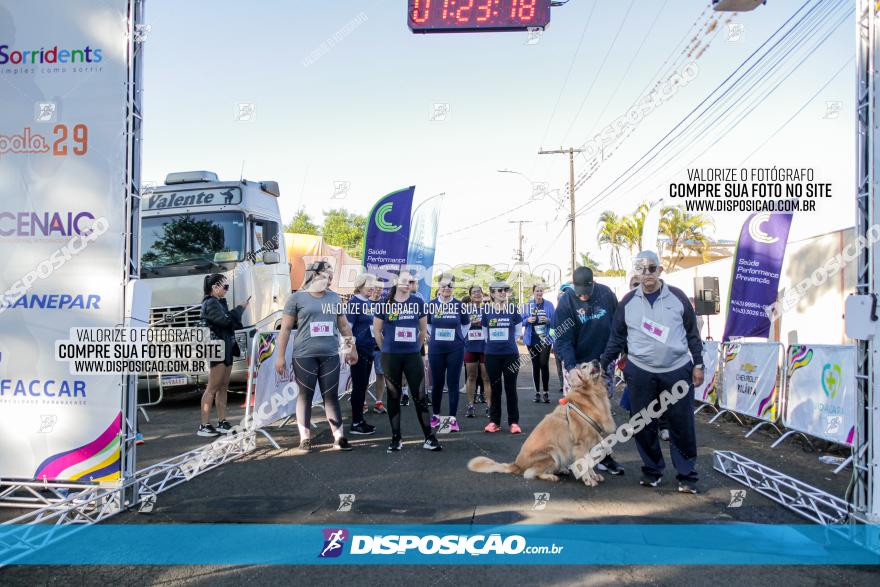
(199, 241)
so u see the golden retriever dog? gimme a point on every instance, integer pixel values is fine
(561, 438)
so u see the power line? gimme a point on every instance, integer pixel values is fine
(484, 221)
(610, 188)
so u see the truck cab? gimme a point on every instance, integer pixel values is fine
(195, 225)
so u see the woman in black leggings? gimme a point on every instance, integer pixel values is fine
(500, 320)
(316, 312)
(400, 325)
(537, 319)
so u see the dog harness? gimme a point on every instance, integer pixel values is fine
(570, 406)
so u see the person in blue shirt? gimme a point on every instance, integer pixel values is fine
(400, 325)
(474, 355)
(559, 370)
(537, 319)
(500, 321)
(359, 312)
(446, 325)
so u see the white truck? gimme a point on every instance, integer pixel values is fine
(195, 225)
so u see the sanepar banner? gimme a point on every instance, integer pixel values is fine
(64, 79)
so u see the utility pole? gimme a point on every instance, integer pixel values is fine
(571, 217)
(518, 254)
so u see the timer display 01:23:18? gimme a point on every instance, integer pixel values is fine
(439, 14)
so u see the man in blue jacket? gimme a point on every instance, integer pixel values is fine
(582, 326)
(656, 325)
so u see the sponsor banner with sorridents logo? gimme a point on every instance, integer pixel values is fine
(64, 71)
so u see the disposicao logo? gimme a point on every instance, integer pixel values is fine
(51, 55)
(334, 542)
(383, 224)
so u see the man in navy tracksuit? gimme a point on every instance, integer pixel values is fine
(582, 327)
(656, 326)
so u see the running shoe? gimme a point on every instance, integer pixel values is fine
(342, 444)
(224, 427)
(435, 421)
(537, 397)
(609, 465)
(650, 481)
(431, 443)
(480, 399)
(138, 439)
(487, 412)
(404, 400)
(396, 445)
(515, 429)
(687, 487)
(362, 428)
(305, 445)
(492, 427)
(379, 408)
(470, 411)
(208, 431)
(664, 434)
(453, 424)
(546, 397)
(366, 409)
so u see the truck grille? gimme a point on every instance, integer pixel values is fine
(177, 316)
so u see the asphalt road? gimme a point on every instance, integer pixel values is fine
(417, 486)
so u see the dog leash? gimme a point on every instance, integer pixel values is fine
(570, 406)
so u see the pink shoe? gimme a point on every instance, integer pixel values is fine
(492, 427)
(435, 421)
(515, 429)
(453, 425)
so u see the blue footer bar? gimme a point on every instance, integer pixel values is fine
(570, 544)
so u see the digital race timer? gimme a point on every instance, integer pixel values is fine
(437, 16)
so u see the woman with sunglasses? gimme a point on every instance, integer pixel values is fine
(500, 321)
(223, 323)
(446, 324)
(401, 327)
(474, 355)
(318, 316)
(359, 312)
(537, 318)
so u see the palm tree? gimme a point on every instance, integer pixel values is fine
(634, 227)
(686, 233)
(588, 261)
(612, 232)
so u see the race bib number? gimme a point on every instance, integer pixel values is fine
(476, 334)
(321, 329)
(402, 334)
(444, 334)
(655, 330)
(498, 333)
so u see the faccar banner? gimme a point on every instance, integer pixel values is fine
(708, 392)
(754, 284)
(64, 73)
(275, 395)
(751, 379)
(821, 392)
(386, 236)
(423, 240)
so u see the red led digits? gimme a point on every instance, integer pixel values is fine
(527, 9)
(421, 10)
(464, 9)
(486, 9)
(445, 9)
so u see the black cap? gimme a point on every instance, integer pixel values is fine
(583, 281)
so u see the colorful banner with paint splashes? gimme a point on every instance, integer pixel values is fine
(94, 462)
(798, 356)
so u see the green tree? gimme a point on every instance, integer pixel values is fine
(588, 261)
(301, 223)
(344, 229)
(634, 227)
(613, 232)
(686, 233)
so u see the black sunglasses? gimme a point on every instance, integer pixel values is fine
(504, 289)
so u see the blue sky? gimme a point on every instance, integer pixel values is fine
(361, 112)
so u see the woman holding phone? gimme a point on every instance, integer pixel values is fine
(318, 316)
(401, 327)
(223, 323)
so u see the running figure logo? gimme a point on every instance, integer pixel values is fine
(346, 500)
(334, 542)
